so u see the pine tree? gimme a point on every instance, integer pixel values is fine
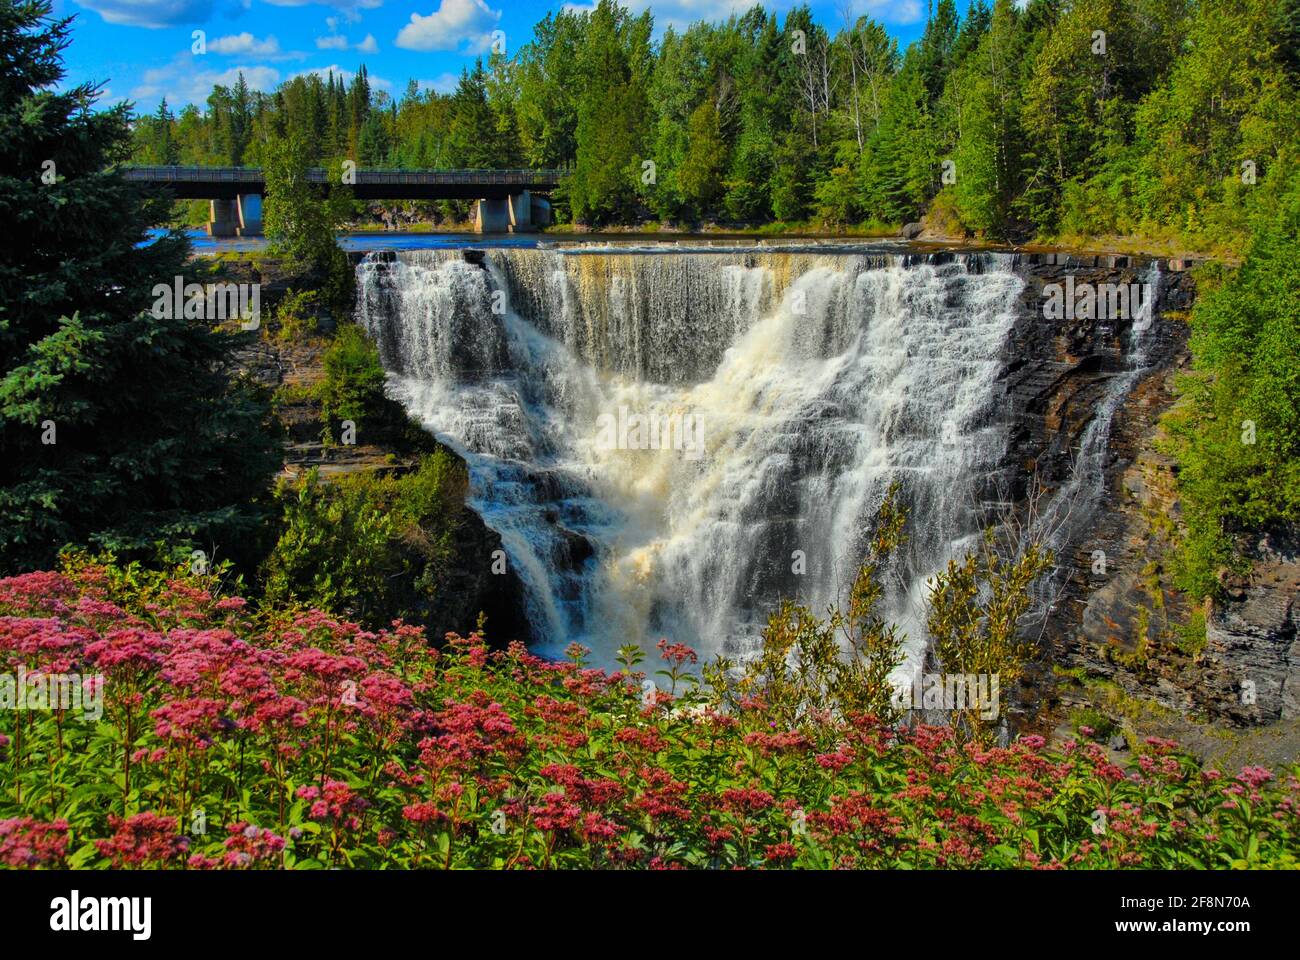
(372, 145)
(938, 43)
(159, 145)
(612, 107)
(987, 157)
(900, 167)
(241, 121)
(472, 137)
(749, 193)
(117, 428)
(706, 157)
(358, 108)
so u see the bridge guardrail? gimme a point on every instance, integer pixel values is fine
(253, 175)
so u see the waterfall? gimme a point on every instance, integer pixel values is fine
(670, 442)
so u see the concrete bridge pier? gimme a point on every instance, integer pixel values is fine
(492, 215)
(240, 217)
(518, 213)
(249, 208)
(521, 212)
(223, 219)
(540, 212)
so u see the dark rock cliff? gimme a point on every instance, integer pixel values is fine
(1116, 621)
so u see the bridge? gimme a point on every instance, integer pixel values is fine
(506, 201)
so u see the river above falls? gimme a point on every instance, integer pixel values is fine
(367, 241)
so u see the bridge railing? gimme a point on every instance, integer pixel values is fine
(253, 175)
(196, 174)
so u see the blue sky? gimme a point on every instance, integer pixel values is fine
(143, 49)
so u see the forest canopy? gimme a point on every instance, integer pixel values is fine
(1168, 119)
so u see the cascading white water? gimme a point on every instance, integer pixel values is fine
(816, 380)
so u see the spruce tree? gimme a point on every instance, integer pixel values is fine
(117, 429)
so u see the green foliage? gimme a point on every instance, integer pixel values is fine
(476, 138)
(1190, 636)
(154, 139)
(301, 225)
(354, 379)
(900, 164)
(1237, 432)
(549, 82)
(974, 619)
(1099, 725)
(231, 114)
(810, 668)
(705, 159)
(1064, 120)
(612, 107)
(294, 313)
(117, 427)
(369, 546)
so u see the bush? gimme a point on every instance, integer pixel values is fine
(353, 387)
(241, 738)
(371, 547)
(1092, 724)
(295, 314)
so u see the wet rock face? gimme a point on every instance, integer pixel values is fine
(1058, 369)
(1120, 624)
(1060, 376)
(1252, 637)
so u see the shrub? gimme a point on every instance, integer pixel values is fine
(373, 547)
(1093, 724)
(244, 738)
(295, 314)
(353, 387)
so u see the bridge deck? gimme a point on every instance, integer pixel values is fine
(224, 183)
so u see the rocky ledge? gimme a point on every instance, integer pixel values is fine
(290, 368)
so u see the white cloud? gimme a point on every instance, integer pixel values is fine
(245, 44)
(151, 13)
(454, 24)
(182, 84)
(443, 83)
(337, 41)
